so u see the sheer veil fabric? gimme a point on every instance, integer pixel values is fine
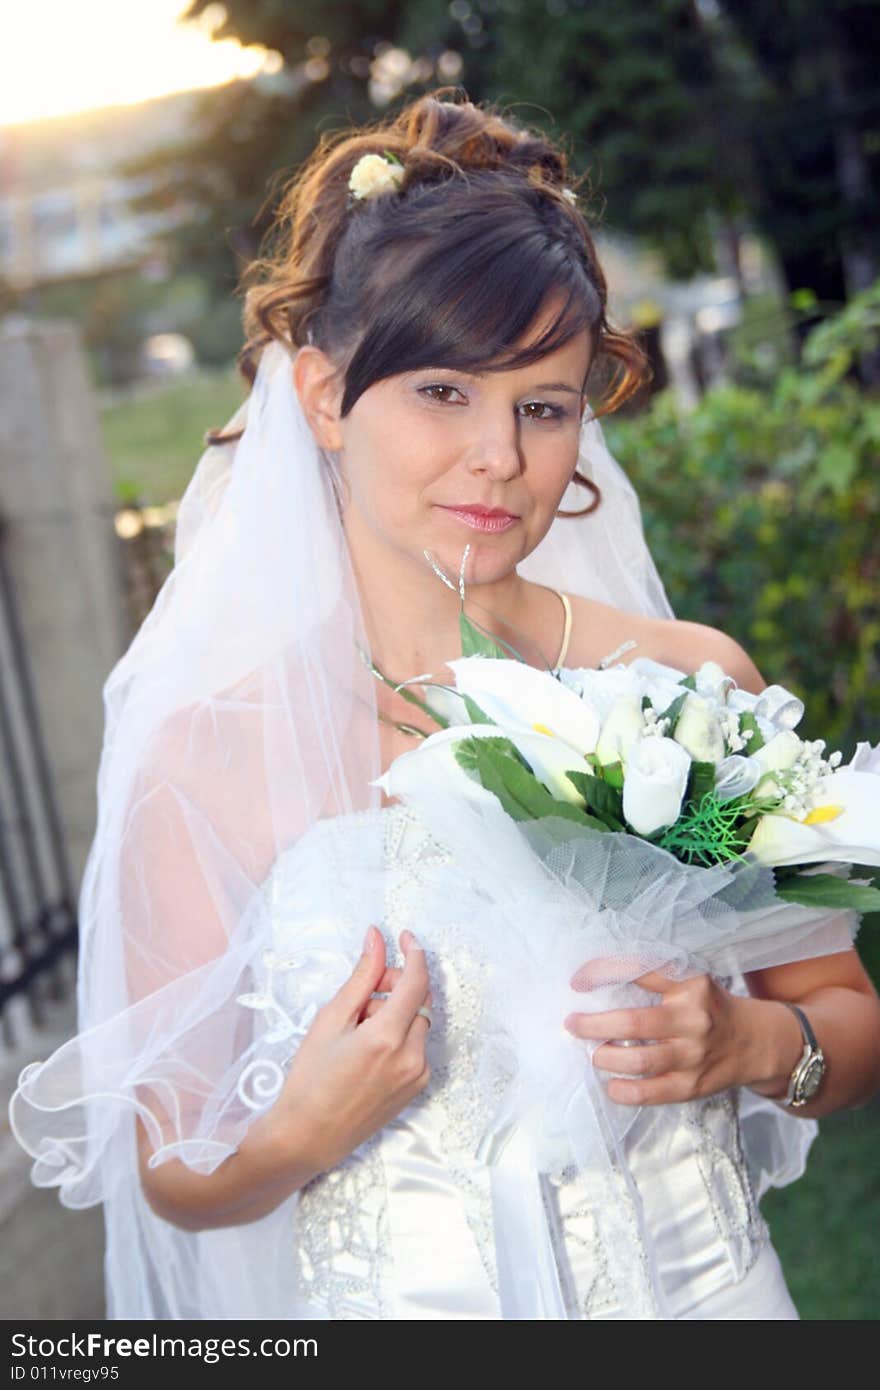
(240, 715)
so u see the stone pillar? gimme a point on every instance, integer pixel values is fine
(62, 555)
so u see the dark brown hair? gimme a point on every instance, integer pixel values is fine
(450, 269)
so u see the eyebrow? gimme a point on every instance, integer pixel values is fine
(557, 386)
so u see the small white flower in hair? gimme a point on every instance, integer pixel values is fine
(375, 173)
(569, 194)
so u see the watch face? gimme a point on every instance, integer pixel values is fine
(809, 1082)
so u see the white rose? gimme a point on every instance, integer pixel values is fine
(698, 730)
(624, 723)
(657, 771)
(373, 173)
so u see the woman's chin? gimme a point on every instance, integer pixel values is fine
(487, 561)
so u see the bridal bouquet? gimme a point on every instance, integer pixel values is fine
(707, 772)
(635, 818)
(613, 822)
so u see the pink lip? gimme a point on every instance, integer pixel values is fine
(484, 518)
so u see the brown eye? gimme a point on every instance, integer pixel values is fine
(437, 386)
(556, 412)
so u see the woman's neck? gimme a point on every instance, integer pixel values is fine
(412, 618)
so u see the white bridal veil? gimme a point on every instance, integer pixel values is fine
(240, 714)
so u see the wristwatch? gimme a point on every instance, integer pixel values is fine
(809, 1068)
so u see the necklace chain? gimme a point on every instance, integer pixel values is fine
(405, 728)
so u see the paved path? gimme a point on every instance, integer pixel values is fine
(50, 1257)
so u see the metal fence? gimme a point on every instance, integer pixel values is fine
(38, 900)
(37, 908)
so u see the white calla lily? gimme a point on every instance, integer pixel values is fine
(432, 762)
(516, 694)
(844, 826)
(865, 758)
(550, 759)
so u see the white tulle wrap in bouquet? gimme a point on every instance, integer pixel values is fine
(622, 821)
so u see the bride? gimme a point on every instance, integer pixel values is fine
(282, 1113)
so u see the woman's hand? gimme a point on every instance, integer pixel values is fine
(362, 1060)
(699, 1032)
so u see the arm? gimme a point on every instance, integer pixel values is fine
(361, 1061)
(836, 994)
(835, 991)
(265, 1169)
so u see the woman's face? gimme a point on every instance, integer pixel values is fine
(421, 447)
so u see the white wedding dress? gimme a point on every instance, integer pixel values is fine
(404, 1227)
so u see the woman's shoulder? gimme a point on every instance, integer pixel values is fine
(598, 629)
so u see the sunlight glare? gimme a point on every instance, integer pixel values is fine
(59, 57)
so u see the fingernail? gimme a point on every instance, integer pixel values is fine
(368, 939)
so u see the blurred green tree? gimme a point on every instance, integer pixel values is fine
(694, 118)
(811, 116)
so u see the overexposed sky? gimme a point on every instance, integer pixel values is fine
(58, 56)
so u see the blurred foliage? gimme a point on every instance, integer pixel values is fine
(821, 1224)
(154, 436)
(761, 507)
(692, 120)
(638, 90)
(808, 108)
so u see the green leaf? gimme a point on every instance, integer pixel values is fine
(477, 643)
(600, 797)
(674, 710)
(475, 713)
(748, 721)
(690, 682)
(613, 774)
(701, 780)
(520, 792)
(825, 890)
(869, 871)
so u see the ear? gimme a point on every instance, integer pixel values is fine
(320, 393)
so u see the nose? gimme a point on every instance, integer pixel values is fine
(495, 449)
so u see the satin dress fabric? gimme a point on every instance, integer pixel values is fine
(403, 1227)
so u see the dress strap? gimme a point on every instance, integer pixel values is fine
(566, 631)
